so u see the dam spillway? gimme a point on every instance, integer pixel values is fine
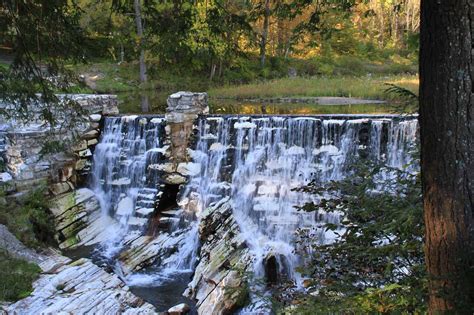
(256, 163)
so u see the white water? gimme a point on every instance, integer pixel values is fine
(256, 161)
(120, 179)
(259, 161)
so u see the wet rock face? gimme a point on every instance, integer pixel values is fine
(271, 270)
(75, 213)
(218, 284)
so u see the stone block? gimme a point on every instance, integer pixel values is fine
(80, 146)
(59, 188)
(92, 142)
(95, 117)
(91, 134)
(85, 153)
(82, 164)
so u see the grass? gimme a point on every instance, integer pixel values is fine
(367, 87)
(119, 78)
(233, 107)
(17, 277)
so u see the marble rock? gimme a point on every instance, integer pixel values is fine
(179, 309)
(79, 287)
(216, 286)
(74, 212)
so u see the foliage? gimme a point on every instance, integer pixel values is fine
(17, 277)
(377, 264)
(30, 220)
(41, 34)
(408, 97)
(221, 38)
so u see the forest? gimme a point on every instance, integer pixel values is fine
(236, 157)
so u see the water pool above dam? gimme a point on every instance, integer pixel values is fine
(244, 167)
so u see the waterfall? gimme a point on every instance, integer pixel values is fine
(400, 143)
(259, 161)
(120, 177)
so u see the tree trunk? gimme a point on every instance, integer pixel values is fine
(447, 147)
(138, 21)
(263, 42)
(145, 103)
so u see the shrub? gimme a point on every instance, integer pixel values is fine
(377, 264)
(17, 277)
(30, 220)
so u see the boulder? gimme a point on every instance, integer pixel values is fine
(175, 179)
(218, 285)
(179, 309)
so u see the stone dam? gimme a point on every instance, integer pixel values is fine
(179, 204)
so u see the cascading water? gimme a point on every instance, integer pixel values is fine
(256, 161)
(120, 177)
(259, 161)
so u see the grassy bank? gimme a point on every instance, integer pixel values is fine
(319, 76)
(368, 87)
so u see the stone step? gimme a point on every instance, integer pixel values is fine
(143, 203)
(137, 223)
(144, 212)
(167, 222)
(169, 213)
(146, 196)
(148, 191)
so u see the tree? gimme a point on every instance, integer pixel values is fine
(41, 35)
(447, 147)
(137, 6)
(263, 41)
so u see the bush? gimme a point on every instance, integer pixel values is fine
(377, 264)
(17, 277)
(30, 220)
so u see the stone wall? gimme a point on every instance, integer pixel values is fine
(27, 164)
(33, 155)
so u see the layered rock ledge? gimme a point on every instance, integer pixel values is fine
(79, 287)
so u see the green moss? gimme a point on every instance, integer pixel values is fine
(63, 203)
(78, 262)
(16, 277)
(71, 241)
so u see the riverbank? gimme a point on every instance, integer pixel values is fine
(295, 78)
(366, 87)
